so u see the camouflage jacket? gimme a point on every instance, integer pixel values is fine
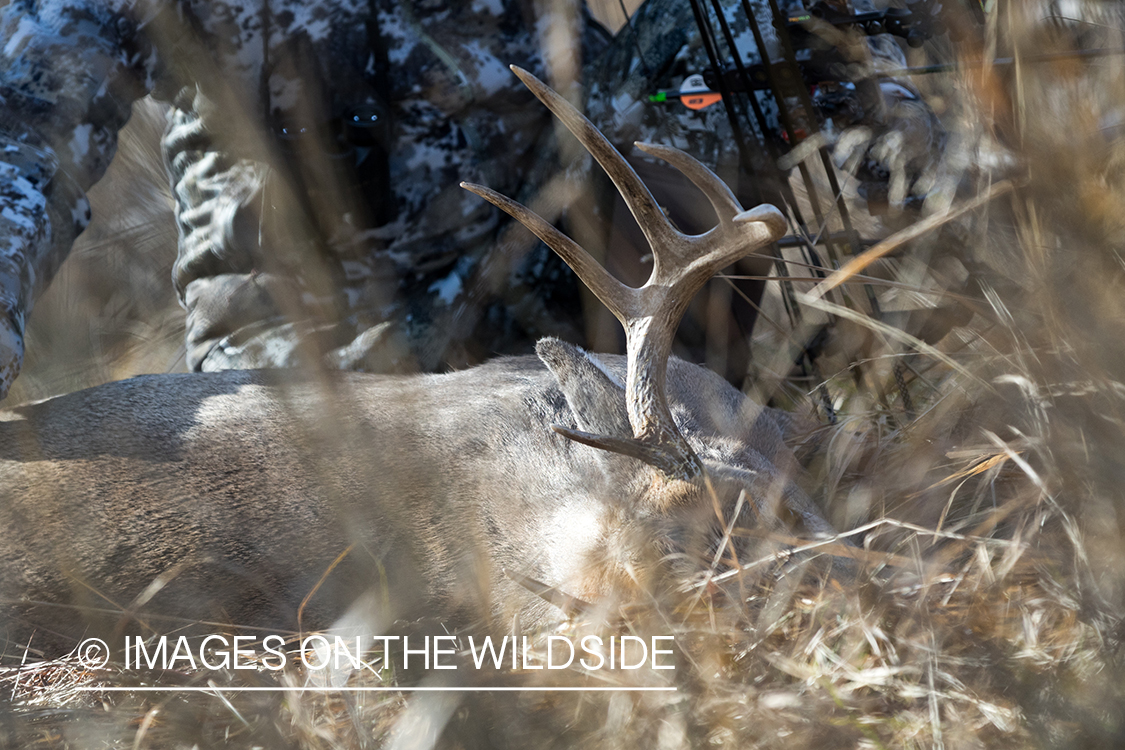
(315, 148)
(258, 85)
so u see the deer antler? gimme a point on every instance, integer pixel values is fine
(650, 314)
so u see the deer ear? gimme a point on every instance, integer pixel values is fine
(595, 395)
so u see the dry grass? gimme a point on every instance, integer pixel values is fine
(983, 466)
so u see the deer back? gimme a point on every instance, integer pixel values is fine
(237, 497)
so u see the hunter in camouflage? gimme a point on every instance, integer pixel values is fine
(276, 103)
(315, 149)
(661, 46)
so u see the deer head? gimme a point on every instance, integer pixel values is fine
(650, 314)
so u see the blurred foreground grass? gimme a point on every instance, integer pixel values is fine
(984, 473)
(111, 312)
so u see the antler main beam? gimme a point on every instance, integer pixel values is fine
(682, 264)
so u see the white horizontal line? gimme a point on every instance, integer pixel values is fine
(310, 689)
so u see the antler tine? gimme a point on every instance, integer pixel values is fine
(643, 206)
(689, 261)
(650, 314)
(717, 192)
(616, 296)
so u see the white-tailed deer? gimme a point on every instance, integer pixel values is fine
(281, 500)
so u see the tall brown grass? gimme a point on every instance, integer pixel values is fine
(979, 459)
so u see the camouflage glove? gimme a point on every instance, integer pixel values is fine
(11, 354)
(895, 160)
